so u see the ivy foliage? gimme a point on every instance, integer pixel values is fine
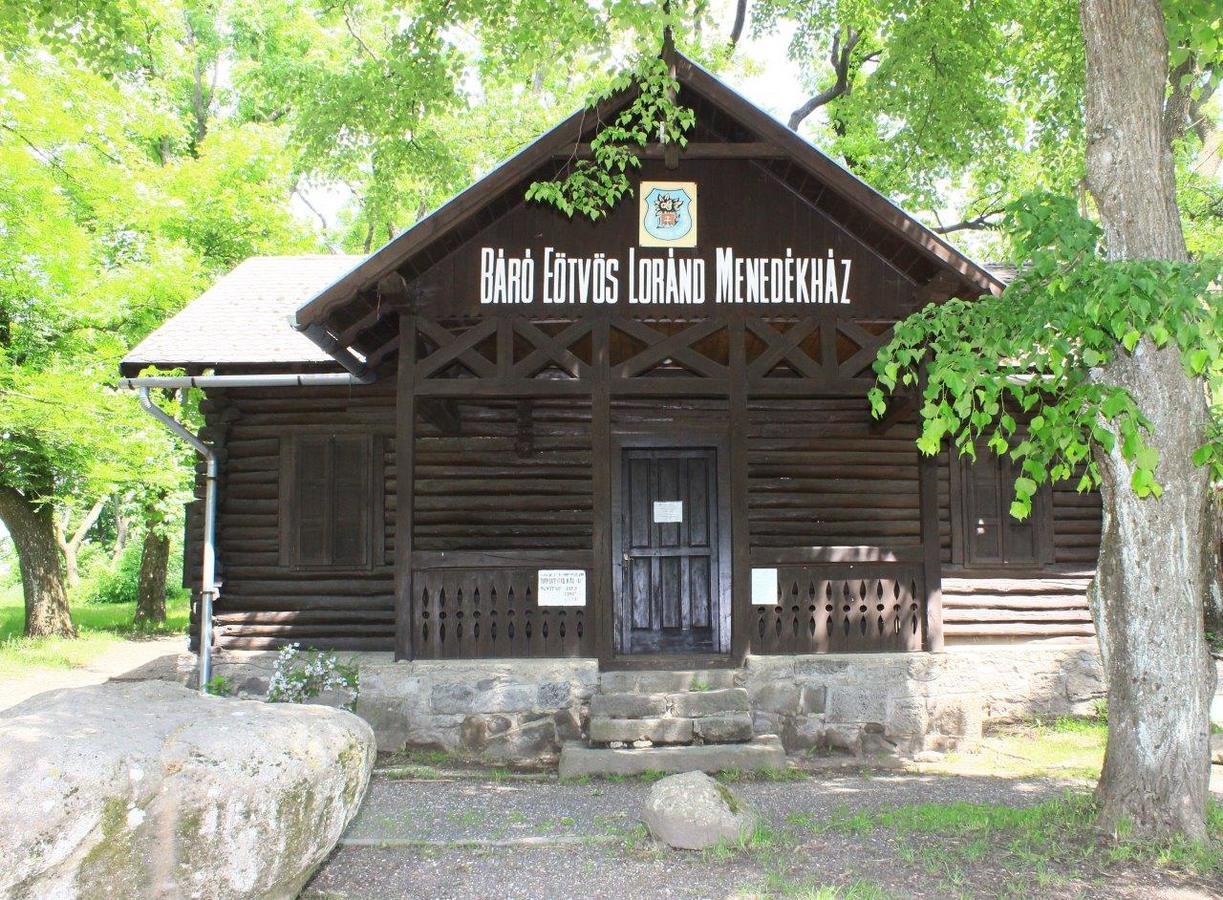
(1018, 373)
(592, 187)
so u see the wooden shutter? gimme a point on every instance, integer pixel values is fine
(312, 475)
(1020, 541)
(992, 536)
(351, 494)
(328, 499)
(983, 510)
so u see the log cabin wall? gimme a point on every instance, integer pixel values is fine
(820, 474)
(1025, 603)
(264, 603)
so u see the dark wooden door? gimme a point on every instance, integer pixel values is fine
(668, 599)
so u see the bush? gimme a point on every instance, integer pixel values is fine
(107, 581)
(301, 676)
(118, 582)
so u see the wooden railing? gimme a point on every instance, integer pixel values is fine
(484, 606)
(832, 600)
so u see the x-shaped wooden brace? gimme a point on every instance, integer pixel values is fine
(869, 344)
(451, 347)
(677, 347)
(550, 349)
(783, 346)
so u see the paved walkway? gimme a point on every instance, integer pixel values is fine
(140, 659)
(481, 837)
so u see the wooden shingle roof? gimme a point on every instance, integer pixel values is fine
(246, 318)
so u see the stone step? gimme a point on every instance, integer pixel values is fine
(658, 730)
(728, 728)
(694, 704)
(628, 705)
(684, 704)
(761, 754)
(664, 682)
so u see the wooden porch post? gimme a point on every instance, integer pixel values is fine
(405, 484)
(932, 563)
(740, 553)
(601, 462)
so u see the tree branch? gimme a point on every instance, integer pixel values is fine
(984, 222)
(91, 518)
(840, 57)
(736, 30)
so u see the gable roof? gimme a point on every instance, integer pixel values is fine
(245, 318)
(802, 166)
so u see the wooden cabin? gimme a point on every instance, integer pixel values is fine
(644, 440)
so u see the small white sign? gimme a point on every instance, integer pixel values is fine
(562, 587)
(668, 511)
(764, 587)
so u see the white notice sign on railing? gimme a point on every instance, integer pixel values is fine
(561, 587)
(764, 587)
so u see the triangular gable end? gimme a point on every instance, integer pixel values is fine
(349, 315)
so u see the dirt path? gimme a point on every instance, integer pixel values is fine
(481, 837)
(139, 659)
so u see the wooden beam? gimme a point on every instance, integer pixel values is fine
(741, 538)
(483, 559)
(802, 556)
(602, 595)
(694, 150)
(932, 565)
(405, 459)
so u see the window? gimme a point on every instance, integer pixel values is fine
(330, 501)
(990, 534)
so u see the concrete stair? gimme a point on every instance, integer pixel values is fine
(670, 722)
(760, 754)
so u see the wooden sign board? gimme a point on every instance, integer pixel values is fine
(561, 587)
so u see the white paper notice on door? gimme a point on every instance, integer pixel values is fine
(668, 511)
(764, 587)
(562, 587)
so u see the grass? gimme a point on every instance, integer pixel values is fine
(100, 626)
(1066, 747)
(1035, 839)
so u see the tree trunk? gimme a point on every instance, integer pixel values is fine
(32, 528)
(1158, 558)
(151, 596)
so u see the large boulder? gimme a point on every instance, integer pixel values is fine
(144, 789)
(694, 812)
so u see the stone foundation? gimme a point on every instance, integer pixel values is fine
(504, 710)
(858, 704)
(909, 702)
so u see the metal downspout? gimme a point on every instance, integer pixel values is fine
(208, 586)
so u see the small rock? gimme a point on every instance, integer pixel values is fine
(616, 745)
(928, 756)
(694, 812)
(641, 745)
